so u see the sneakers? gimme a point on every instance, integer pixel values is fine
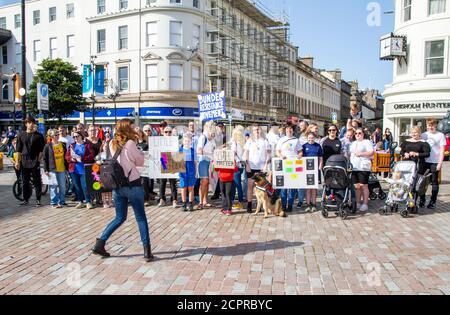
(80, 205)
(422, 203)
(226, 212)
(431, 206)
(175, 204)
(56, 206)
(38, 203)
(24, 203)
(184, 208)
(162, 203)
(249, 207)
(191, 208)
(223, 211)
(300, 205)
(364, 208)
(89, 206)
(358, 206)
(237, 206)
(289, 209)
(313, 208)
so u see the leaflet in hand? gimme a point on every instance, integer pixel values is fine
(74, 155)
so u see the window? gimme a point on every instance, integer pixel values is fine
(123, 4)
(196, 36)
(150, 1)
(5, 90)
(436, 6)
(195, 4)
(123, 78)
(196, 78)
(37, 50)
(36, 17)
(407, 4)
(18, 53)
(176, 77)
(70, 10)
(70, 46)
(152, 77)
(101, 40)
(435, 57)
(3, 22)
(52, 14)
(101, 8)
(53, 48)
(175, 33)
(17, 21)
(5, 55)
(123, 37)
(152, 34)
(175, 1)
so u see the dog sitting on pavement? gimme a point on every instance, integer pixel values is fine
(267, 197)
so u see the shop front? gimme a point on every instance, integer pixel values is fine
(400, 117)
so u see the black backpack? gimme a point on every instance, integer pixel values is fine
(112, 175)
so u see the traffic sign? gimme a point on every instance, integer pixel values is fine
(42, 96)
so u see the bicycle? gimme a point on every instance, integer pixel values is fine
(18, 189)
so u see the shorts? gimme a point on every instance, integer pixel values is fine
(203, 169)
(187, 180)
(360, 177)
(252, 173)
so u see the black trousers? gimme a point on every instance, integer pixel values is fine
(197, 187)
(27, 174)
(148, 185)
(227, 201)
(217, 191)
(173, 189)
(434, 182)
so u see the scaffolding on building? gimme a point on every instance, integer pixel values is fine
(251, 64)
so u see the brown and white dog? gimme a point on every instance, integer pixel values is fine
(267, 197)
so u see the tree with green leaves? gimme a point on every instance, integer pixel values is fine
(64, 85)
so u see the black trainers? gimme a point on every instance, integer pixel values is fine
(184, 208)
(191, 207)
(289, 209)
(422, 204)
(24, 203)
(38, 203)
(431, 206)
(249, 208)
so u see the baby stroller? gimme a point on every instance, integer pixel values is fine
(374, 184)
(403, 192)
(337, 192)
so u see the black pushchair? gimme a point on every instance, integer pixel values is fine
(376, 192)
(337, 188)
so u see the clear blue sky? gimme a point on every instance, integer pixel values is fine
(336, 33)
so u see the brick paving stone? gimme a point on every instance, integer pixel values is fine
(206, 253)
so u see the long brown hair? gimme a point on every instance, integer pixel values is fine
(124, 132)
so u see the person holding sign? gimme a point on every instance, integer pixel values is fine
(54, 162)
(172, 181)
(257, 155)
(289, 147)
(205, 150)
(361, 158)
(188, 179)
(237, 146)
(312, 149)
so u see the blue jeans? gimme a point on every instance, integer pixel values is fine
(58, 192)
(301, 195)
(238, 185)
(79, 184)
(245, 184)
(134, 195)
(287, 197)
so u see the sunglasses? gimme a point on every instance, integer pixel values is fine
(332, 130)
(76, 137)
(358, 133)
(147, 131)
(168, 132)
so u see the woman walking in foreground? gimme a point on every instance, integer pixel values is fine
(129, 157)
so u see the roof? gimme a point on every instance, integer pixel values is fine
(5, 35)
(257, 13)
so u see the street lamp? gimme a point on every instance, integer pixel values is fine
(115, 93)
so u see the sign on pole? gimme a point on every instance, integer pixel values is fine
(212, 106)
(42, 96)
(88, 82)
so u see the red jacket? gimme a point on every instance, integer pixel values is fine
(226, 175)
(88, 158)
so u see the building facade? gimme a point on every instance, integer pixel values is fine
(162, 53)
(421, 81)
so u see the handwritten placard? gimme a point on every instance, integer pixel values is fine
(173, 163)
(224, 159)
(158, 145)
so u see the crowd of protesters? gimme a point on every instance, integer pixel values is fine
(66, 154)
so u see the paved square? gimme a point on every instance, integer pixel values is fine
(47, 251)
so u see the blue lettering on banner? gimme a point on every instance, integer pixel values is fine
(212, 106)
(87, 81)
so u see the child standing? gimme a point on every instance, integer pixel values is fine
(226, 177)
(188, 179)
(312, 149)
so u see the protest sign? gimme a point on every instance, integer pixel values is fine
(173, 163)
(144, 171)
(296, 173)
(212, 106)
(156, 146)
(224, 159)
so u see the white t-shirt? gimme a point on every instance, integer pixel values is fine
(436, 142)
(273, 141)
(208, 148)
(289, 147)
(257, 153)
(238, 151)
(361, 164)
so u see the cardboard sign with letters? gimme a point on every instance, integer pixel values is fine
(156, 146)
(224, 159)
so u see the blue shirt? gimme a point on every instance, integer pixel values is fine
(190, 161)
(79, 150)
(312, 150)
